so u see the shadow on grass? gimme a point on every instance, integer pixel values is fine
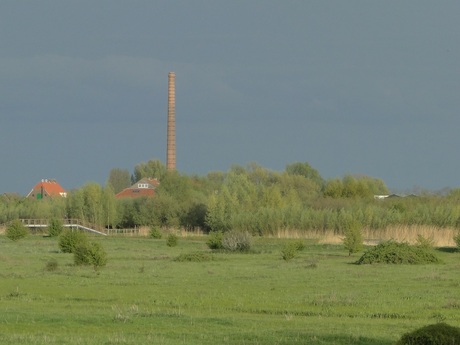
(447, 249)
(292, 338)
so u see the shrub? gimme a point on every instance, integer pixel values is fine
(299, 245)
(237, 241)
(391, 252)
(16, 231)
(425, 242)
(289, 251)
(353, 240)
(171, 241)
(69, 240)
(194, 257)
(439, 334)
(55, 227)
(155, 232)
(215, 240)
(90, 253)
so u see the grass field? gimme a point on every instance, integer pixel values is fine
(144, 296)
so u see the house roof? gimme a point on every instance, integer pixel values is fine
(47, 188)
(143, 187)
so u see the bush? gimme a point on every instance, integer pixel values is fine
(391, 252)
(55, 227)
(289, 251)
(237, 241)
(425, 242)
(69, 240)
(171, 241)
(353, 240)
(90, 253)
(155, 232)
(16, 231)
(194, 257)
(215, 240)
(437, 334)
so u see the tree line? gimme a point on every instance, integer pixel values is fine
(249, 198)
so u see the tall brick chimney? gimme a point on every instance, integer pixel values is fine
(171, 139)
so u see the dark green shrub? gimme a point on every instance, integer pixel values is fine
(437, 334)
(69, 240)
(353, 240)
(215, 240)
(194, 257)
(172, 240)
(392, 252)
(90, 253)
(16, 230)
(237, 241)
(55, 227)
(155, 232)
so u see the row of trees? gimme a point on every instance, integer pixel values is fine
(250, 198)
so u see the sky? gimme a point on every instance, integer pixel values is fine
(351, 87)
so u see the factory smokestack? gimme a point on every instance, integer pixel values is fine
(171, 139)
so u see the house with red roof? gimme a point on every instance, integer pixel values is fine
(143, 187)
(47, 189)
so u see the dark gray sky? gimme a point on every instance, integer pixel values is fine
(365, 87)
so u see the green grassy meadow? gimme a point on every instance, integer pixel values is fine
(144, 296)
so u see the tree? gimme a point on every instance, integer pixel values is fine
(305, 170)
(93, 210)
(353, 240)
(55, 227)
(119, 179)
(109, 205)
(16, 230)
(152, 168)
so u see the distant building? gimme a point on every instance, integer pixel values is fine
(143, 187)
(47, 189)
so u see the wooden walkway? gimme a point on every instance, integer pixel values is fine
(67, 223)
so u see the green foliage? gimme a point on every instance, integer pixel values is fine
(55, 227)
(155, 232)
(172, 240)
(425, 242)
(215, 240)
(151, 169)
(119, 179)
(288, 252)
(70, 239)
(437, 334)
(353, 240)
(194, 257)
(306, 171)
(391, 252)
(16, 230)
(90, 253)
(291, 249)
(354, 187)
(235, 240)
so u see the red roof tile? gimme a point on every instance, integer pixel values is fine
(46, 188)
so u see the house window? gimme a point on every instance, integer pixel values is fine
(142, 185)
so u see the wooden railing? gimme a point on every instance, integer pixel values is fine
(68, 223)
